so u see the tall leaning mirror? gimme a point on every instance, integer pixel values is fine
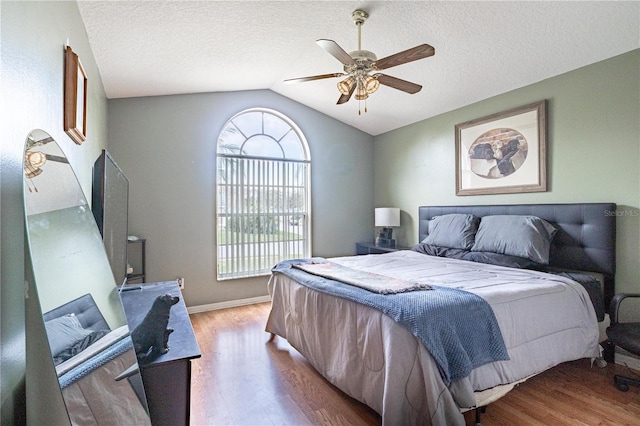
(86, 327)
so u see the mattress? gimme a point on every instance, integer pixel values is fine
(544, 319)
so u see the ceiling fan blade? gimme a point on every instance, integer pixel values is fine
(336, 51)
(397, 83)
(345, 98)
(409, 55)
(314, 77)
(57, 158)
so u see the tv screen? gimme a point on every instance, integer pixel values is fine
(110, 205)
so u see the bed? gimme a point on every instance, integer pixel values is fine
(73, 327)
(544, 309)
(89, 358)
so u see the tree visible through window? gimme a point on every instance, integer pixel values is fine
(262, 193)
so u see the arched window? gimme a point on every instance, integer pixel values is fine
(263, 193)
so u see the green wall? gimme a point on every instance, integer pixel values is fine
(593, 153)
(33, 37)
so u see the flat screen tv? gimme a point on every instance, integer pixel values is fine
(110, 205)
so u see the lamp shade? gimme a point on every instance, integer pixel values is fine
(387, 216)
(346, 85)
(371, 84)
(361, 92)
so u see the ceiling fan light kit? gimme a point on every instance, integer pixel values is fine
(361, 66)
(371, 84)
(346, 86)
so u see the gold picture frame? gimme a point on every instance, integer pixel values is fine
(503, 153)
(75, 97)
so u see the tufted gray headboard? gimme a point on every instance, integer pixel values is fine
(586, 238)
(85, 308)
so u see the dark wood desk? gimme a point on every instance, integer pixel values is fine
(166, 379)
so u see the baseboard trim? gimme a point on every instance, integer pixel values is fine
(228, 304)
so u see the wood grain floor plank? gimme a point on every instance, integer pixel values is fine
(244, 379)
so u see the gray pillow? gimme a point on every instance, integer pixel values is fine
(523, 236)
(452, 231)
(64, 332)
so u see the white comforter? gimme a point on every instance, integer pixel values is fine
(544, 319)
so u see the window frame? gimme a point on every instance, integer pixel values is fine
(282, 210)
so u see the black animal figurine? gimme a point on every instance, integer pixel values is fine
(151, 336)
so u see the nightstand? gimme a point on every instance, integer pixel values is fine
(371, 248)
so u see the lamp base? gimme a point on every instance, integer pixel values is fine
(385, 238)
(385, 242)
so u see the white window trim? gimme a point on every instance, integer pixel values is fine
(307, 239)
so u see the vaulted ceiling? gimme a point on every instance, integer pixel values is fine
(150, 48)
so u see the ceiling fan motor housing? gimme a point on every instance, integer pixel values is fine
(364, 60)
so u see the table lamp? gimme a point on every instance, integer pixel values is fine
(386, 218)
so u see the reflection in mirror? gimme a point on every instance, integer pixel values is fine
(84, 320)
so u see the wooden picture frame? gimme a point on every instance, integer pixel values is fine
(75, 97)
(503, 153)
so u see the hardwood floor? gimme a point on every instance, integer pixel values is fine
(245, 379)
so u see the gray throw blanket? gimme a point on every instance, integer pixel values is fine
(458, 328)
(367, 280)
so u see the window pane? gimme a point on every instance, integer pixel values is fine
(230, 140)
(292, 147)
(249, 123)
(262, 146)
(275, 126)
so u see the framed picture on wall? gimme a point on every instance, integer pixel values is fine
(502, 153)
(75, 97)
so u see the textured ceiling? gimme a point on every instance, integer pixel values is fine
(482, 48)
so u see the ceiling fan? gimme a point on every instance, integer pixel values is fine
(34, 160)
(361, 66)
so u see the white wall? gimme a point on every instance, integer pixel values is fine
(166, 147)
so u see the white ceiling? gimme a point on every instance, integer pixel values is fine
(149, 48)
